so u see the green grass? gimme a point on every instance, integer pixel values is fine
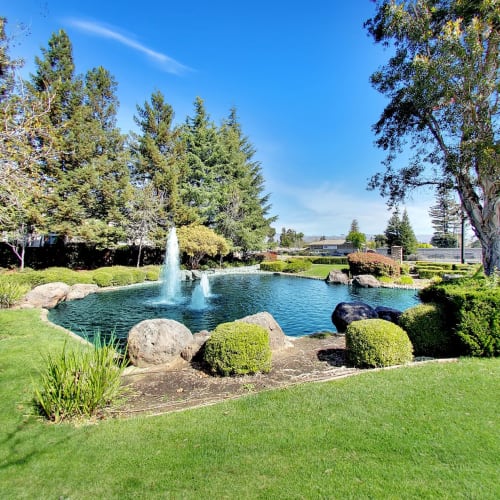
(425, 432)
(322, 270)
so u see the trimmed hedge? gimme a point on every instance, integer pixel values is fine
(472, 308)
(377, 343)
(429, 331)
(297, 265)
(238, 348)
(275, 266)
(373, 263)
(329, 260)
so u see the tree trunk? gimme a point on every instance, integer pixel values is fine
(491, 252)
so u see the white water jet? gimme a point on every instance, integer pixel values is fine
(200, 294)
(205, 285)
(171, 275)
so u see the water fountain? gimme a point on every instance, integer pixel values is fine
(200, 294)
(170, 276)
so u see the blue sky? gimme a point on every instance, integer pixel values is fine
(297, 72)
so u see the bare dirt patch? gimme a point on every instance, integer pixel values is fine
(156, 391)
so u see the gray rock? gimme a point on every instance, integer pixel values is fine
(80, 291)
(366, 281)
(337, 278)
(277, 338)
(347, 312)
(196, 346)
(186, 275)
(196, 274)
(157, 342)
(389, 314)
(47, 296)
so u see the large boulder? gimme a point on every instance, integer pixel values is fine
(347, 312)
(196, 347)
(337, 278)
(80, 291)
(47, 296)
(389, 314)
(366, 281)
(157, 342)
(277, 338)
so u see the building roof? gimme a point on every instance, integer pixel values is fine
(325, 242)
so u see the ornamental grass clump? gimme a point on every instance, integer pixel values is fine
(11, 292)
(79, 382)
(373, 343)
(238, 348)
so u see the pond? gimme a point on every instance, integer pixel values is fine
(300, 306)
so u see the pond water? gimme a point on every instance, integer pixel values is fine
(300, 306)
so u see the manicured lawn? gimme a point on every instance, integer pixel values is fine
(425, 432)
(322, 270)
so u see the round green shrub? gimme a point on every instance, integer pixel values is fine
(297, 265)
(275, 266)
(238, 348)
(102, 278)
(377, 343)
(426, 326)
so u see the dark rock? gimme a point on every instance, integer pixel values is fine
(389, 314)
(347, 312)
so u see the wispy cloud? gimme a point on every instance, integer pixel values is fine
(329, 209)
(168, 64)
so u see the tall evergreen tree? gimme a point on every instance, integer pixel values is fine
(408, 239)
(202, 164)
(445, 218)
(158, 158)
(393, 231)
(242, 206)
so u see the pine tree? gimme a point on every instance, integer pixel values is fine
(242, 207)
(393, 230)
(408, 239)
(355, 236)
(445, 217)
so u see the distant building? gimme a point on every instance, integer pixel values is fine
(337, 247)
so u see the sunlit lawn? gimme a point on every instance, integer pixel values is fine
(425, 432)
(322, 270)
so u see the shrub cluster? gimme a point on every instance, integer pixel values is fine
(428, 331)
(297, 265)
(238, 348)
(275, 266)
(329, 260)
(428, 270)
(377, 343)
(472, 307)
(372, 263)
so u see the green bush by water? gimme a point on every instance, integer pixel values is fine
(377, 343)
(79, 382)
(472, 307)
(429, 331)
(11, 292)
(238, 348)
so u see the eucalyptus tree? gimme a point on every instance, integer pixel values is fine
(25, 140)
(442, 83)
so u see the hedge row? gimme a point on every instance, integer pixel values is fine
(286, 266)
(471, 309)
